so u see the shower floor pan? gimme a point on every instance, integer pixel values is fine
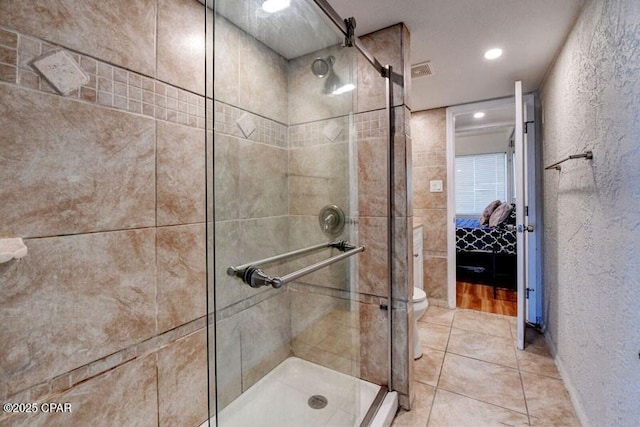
(285, 396)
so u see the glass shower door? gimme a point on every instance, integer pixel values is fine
(286, 347)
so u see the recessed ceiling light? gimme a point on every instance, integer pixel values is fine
(478, 115)
(493, 53)
(272, 6)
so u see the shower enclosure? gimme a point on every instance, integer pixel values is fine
(155, 156)
(297, 245)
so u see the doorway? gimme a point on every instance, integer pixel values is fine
(482, 245)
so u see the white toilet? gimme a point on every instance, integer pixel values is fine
(420, 304)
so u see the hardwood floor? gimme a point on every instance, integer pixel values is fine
(480, 297)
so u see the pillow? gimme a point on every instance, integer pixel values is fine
(500, 214)
(486, 213)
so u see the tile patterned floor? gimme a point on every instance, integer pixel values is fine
(471, 374)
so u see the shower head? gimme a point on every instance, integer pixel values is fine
(322, 67)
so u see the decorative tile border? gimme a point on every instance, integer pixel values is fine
(108, 86)
(328, 131)
(228, 120)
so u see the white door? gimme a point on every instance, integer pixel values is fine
(520, 214)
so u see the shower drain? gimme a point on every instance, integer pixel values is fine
(317, 401)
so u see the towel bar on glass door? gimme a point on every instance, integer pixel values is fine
(254, 277)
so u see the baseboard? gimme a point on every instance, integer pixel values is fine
(573, 394)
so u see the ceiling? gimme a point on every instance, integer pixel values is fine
(454, 34)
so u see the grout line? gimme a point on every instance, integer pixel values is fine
(435, 391)
(524, 394)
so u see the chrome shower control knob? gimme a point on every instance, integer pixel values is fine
(331, 220)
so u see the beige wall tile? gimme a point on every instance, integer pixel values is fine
(93, 295)
(317, 177)
(228, 39)
(305, 231)
(228, 357)
(263, 180)
(181, 275)
(226, 154)
(310, 320)
(372, 177)
(373, 262)
(429, 158)
(402, 342)
(8, 73)
(402, 183)
(386, 46)
(435, 230)
(181, 182)
(228, 252)
(423, 197)
(265, 337)
(373, 343)
(435, 277)
(307, 98)
(403, 260)
(126, 395)
(263, 72)
(182, 381)
(181, 44)
(429, 130)
(84, 168)
(120, 32)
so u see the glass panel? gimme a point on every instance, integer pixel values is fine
(102, 167)
(284, 150)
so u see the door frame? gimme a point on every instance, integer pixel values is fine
(533, 187)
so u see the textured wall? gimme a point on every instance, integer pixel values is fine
(591, 101)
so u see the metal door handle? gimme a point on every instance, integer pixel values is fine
(521, 228)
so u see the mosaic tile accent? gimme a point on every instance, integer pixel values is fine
(8, 56)
(108, 85)
(266, 131)
(371, 124)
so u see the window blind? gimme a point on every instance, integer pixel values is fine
(480, 179)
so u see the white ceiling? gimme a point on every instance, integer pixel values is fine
(453, 35)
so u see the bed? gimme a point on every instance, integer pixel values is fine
(486, 255)
(471, 236)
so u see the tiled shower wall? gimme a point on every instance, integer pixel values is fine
(106, 185)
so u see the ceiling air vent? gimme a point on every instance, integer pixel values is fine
(421, 70)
